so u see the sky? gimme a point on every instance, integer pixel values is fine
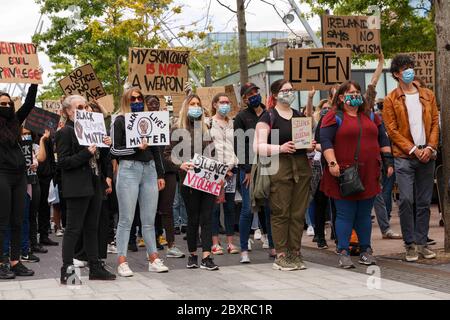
(23, 15)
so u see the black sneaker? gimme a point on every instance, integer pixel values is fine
(132, 247)
(97, 271)
(192, 262)
(29, 258)
(183, 229)
(208, 264)
(21, 271)
(68, 274)
(322, 244)
(5, 272)
(431, 242)
(185, 238)
(177, 231)
(38, 248)
(48, 242)
(315, 239)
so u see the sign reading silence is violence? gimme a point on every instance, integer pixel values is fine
(90, 128)
(318, 68)
(152, 126)
(19, 63)
(158, 72)
(39, 120)
(84, 82)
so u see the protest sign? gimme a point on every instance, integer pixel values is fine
(19, 63)
(154, 126)
(90, 128)
(361, 34)
(230, 186)
(207, 94)
(27, 150)
(318, 68)
(39, 120)
(425, 67)
(54, 106)
(158, 72)
(177, 102)
(207, 176)
(107, 102)
(302, 132)
(84, 82)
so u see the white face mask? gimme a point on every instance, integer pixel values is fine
(286, 98)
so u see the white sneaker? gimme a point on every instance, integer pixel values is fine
(257, 235)
(250, 242)
(266, 243)
(157, 266)
(310, 231)
(79, 263)
(124, 270)
(112, 248)
(245, 258)
(59, 233)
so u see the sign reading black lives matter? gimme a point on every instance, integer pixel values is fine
(207, 176)
(359, 33)
(153, 126)
(318, 68)
(158, 72)
(39, 120)
(84, 82)
(90, 128)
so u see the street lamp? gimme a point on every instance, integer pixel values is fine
(288, 18)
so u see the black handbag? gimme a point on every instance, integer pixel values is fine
(349, 181)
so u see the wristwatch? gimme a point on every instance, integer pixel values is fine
(332, 164)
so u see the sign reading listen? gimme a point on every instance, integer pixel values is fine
(19, 63)
(153, 126)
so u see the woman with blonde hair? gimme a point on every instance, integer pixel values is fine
(140, 178)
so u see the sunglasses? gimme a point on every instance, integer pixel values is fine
(7, 104)
(138, 99)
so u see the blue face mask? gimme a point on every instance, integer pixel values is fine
(354, 101)
(195, 112)
(255, 101)
(224, 109)
(27, 137)
(137, 107)
(408, 76)
(324, 111)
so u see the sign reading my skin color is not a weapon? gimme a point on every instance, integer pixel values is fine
(207, 175)
(84, 82)
(302, 132)
(153, 126)
(19, 63)
(90, 128)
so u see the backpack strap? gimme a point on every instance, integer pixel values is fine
(339, 117)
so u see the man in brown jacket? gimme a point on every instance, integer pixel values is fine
(412, 121)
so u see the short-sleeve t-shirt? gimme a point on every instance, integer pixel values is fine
(284, 126)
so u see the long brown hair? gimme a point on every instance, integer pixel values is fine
(339, 105)
(125, 102)
(274, 90)
(183, 119)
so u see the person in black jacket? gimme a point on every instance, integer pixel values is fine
(82, 189)
(13, 182)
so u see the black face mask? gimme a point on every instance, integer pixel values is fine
(7, 113)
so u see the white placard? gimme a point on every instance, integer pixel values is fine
(154, 126)
(207, 176)
(90, 128)
(230, 186)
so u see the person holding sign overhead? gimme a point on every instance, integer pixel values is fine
(289, 185)
(82, 190)
(140, 177)
(13, 182)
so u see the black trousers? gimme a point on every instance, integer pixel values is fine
(13, 188)
(34, 207)
(320, 213)
(164, 216)
(44, 208)
(82, 220)
(199, 207)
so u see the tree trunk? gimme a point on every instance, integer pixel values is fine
(242, 30)
(442, 21)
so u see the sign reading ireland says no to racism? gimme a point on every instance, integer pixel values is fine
(153, 126)
(158, 72)
(207, 176)
(19, 63)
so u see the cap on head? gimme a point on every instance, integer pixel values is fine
(247, 88)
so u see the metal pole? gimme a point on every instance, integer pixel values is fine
(305, 23)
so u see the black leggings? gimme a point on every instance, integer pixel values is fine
(164, 215)
(44, 209)
(199, 206)
(320, 213)
(34, 207)
(13, 188)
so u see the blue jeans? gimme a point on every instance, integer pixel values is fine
(354, 215)
(246, 218)
(382, 212)
(136, 181)
(179, 209)
(228, 208)
(310, 214)
(25, 247)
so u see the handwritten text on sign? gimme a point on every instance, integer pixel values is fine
(84, 82)
(154, 126)
(90, 128)
(302, 132)
(158, 72)
(424, 67)
(39, 120)
(354, 32)
(207, 176)
(318, 68)
(19, 63)
(54, 106)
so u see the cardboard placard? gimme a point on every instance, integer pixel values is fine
(158, 72)
(207, 176)
(54, 106)
(39, 120)
(359, 33)
(425, 67)
(107, 102)
(154, 126)
(90, 128)
(84, 82)
(19, 63)
(319, 68)
(207, 94)
(302, 134)
(17, 102)
(177, 102)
